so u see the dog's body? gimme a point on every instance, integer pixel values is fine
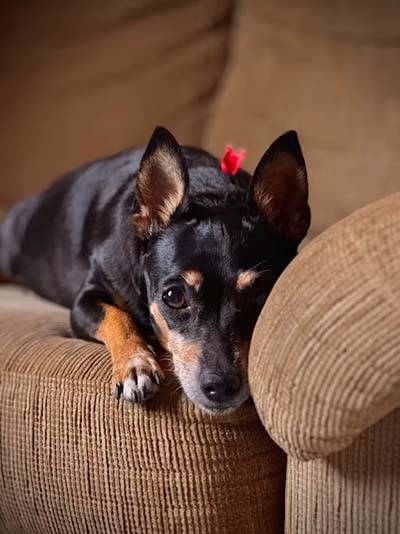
(162, 241)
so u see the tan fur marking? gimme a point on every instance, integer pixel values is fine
(182, 350)
(122, 338)
(265, 201)
(161, 188)
(193, 278)
(187, 352)
(246, 279)
(162, 325)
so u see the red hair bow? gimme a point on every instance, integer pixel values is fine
(231, 161)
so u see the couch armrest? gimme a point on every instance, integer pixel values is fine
(325, 356)
(73, 459)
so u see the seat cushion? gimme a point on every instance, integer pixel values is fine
(73, 459)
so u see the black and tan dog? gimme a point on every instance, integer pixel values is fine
(161, 241)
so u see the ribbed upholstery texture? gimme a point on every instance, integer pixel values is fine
(355, 491)
(75, 460)
(325, 358)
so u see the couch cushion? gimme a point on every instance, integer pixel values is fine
(356, 490)
(74, 460)
(81, 80)
(329, 70)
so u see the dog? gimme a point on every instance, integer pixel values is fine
(161, 242)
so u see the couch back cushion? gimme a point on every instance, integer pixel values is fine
(81, 80)
(329, 70)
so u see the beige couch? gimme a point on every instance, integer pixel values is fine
(78, 83)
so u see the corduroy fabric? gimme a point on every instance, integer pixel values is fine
(325, 358)
(355, 491)
(75, 460)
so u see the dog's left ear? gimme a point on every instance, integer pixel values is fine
(162, 183)
(280, 189)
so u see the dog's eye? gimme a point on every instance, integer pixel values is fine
(174, 298)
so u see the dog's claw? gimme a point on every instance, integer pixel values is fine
(134, 376)
(156, 378)
(143, 394)
(153, 352)
(119, 387)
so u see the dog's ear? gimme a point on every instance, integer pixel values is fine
(280, 190)
(162, 183)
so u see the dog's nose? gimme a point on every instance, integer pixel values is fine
(220, 388)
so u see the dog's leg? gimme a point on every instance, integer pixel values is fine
(136, 373)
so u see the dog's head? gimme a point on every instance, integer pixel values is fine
(214, 249)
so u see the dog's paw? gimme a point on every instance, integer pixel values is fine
(139, 378)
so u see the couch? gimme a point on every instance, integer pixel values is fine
(318, 449)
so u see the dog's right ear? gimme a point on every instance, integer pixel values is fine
(280, 189)
(162, 183)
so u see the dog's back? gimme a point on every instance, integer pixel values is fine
(12, 231)
(32, 231)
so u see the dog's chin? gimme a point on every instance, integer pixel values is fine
(215, 409)
(219, 411)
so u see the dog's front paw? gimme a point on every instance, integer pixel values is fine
(139, 378)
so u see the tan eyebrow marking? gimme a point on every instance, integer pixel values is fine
(246, 279)
(193, 278)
